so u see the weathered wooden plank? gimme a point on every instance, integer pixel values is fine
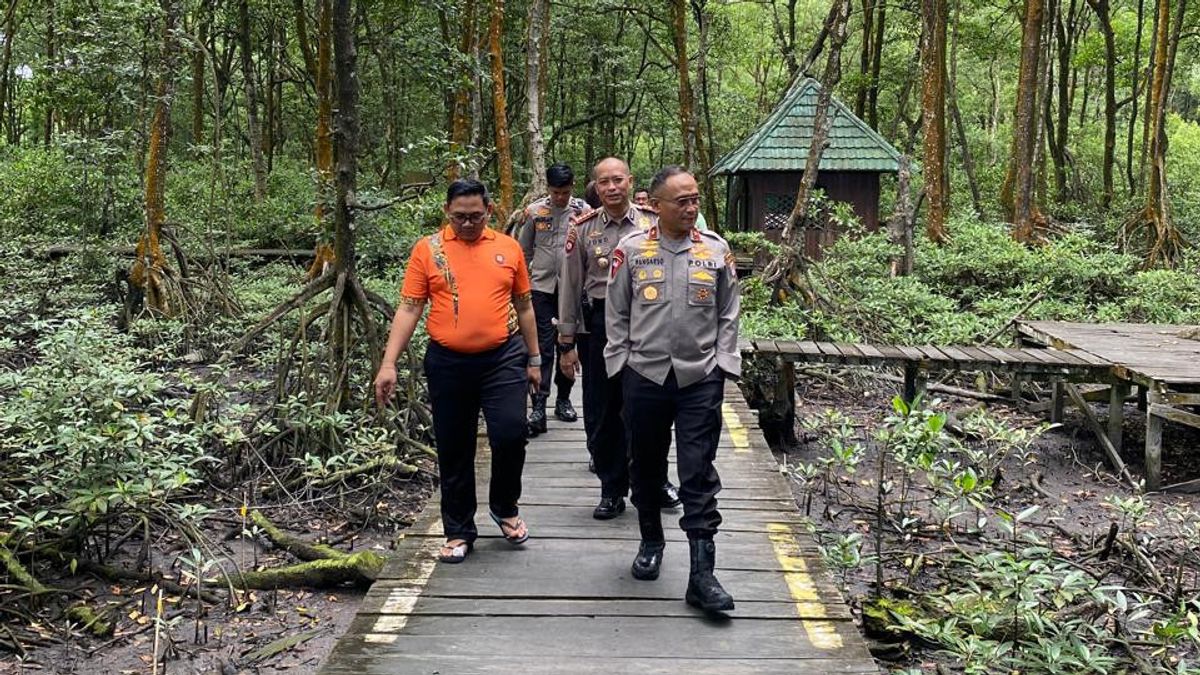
(912, 353)
(809, 348)
(358, 663)
(600, 637)
(1175, 414)
(1100, 432)
(959, 357)
(399, 601)
(870, 352)
(936, 355)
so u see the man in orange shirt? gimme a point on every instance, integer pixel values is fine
(478, 284)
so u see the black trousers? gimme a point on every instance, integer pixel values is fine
(460, 385)
(545, 308)
(695, 410)
(602, 400)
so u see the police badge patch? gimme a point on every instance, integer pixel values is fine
(618, 259)
(572, 236)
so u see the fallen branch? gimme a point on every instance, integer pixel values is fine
(294, 545)
(18, 572)
(361, 568)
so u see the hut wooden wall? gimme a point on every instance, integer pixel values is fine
(770, 195)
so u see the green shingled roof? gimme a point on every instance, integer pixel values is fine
(781, 142)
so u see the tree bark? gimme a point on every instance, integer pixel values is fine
(500, 109)
(535, 63)
(933, 110)
(1134, 76)
(1017, 193)
(1165, 244)
(325, 253)
(150, 273)
(204, 20)
(900, 225)
(51, 57)
(876, 63)
(1104, 18)
(460, 120)
(687, 123)
(864, 60)
(10, 34)
(964, 147)
(253, 131)
(705, 145)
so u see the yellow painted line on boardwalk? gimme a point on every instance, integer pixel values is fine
(822, 634)
(737, 431)
(400, 601)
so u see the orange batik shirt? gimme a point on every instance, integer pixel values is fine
(470, 287)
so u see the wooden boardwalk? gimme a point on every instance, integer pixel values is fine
(565, 601)
(1157, 358)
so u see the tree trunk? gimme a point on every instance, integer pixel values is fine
(1101, 8)
(1017, 193)
(1065, 42)
(1134, 76)
(705, 145)
(302, 39)
(1165, 244)
(864, 60)
(51, 39)
(150, 278)
(900, 225)
(325, 253)
(460, 119)
(253, 131)
(687, 123)
(10, 34)
(933, 110)
(876, 63)
(778, 272)
(347, 134)
(198, 56)
(964, 147)
(535, 63)
(500, 110)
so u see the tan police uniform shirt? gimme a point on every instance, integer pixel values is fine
(542, 237)
(587, 255)
(673, 304)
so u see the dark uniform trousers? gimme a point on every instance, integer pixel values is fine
(460, 385)
(545, 308)
(695, 410)
(602, 399)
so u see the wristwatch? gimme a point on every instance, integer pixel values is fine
(564, 347)
(535, 361)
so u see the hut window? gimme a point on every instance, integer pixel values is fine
(778, 209)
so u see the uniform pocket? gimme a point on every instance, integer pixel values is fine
(701, 295)
(651, 293)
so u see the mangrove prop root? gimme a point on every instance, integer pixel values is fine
(361, 569)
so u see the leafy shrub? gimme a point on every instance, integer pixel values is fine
(93, 435)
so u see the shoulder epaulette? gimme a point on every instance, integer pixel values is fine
(585, 216)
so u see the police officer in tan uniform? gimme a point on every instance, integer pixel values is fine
(672, 324)
(542, 237)
(587, 256)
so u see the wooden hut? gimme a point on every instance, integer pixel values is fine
(763, 173)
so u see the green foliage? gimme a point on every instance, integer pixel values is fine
(94, 435)
(67, 191)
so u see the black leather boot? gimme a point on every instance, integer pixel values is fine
(650, 552)
(703, 589)
(537, 416)
(649, 559)
(564, 411)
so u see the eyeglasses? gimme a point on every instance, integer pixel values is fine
(462, 218)
(684, 202)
